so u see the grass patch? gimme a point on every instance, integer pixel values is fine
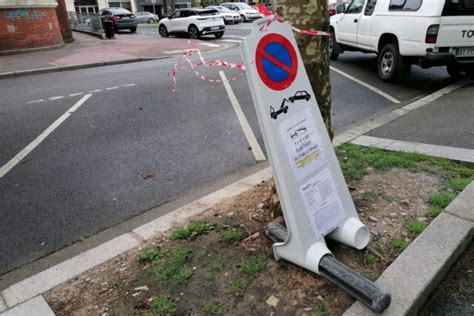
(433, 211)
(381, 248)
(230, 235)
(237, 287)
(217, 265)
(193, 230)
(416, 227)
(400, 243)
(163, 305)
(212, 308)
(442, 199)
(369, 258)
(321, 311)
(254, 265)
(150, 255)
(173, 267)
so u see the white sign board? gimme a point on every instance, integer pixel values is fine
(313, 193)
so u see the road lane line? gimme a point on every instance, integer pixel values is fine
(368, 86)
(235, 36)
(22, 154)
(35, 101)
(75, 94)
(111, 88)
(455, 153)
(251, 139)
(209, 45)
(230, 41)
(128, 85)
(56, 98)
(94, 91)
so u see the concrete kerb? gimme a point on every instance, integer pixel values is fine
(38, 71)
(421, 267)
(22, 292)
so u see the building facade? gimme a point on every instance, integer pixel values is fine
(160, 7)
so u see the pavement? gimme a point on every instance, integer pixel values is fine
(89, 51)
(438, 135)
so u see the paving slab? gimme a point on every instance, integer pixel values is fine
(36, 306)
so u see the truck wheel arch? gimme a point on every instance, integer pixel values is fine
(385, 39)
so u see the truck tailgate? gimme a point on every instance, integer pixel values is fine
(456, 31)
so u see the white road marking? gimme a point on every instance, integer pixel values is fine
(230, 41)
(22, 154)
(368, 86)
(56, 98)
(128, 85)
(461, 154)
(357, 131)
(74, 94)
(94, 91)
(252, 140)
(35, 101)
(179, 51)
(111, 88)
(236, 36)
(209, 44)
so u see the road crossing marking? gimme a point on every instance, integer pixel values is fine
(251, 139)
(22, 154)
(368, 86)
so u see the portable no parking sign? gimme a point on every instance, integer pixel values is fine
(312, 190)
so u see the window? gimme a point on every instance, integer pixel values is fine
(176, 14)
(458, 7)
(370, 7)
(405, 5)
(355, 6)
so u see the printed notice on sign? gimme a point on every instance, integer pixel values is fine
(322, 203)
(302, 144)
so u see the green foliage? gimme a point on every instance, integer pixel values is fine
(369, 258)
(212, 308)
(217, 265)
(321, 311)
(459, 184)
(366, 200)
(163, 305)
(442, 199)
(193, 230)
(237, 287)
(230, 235)
(400, 243)
(433, 211)
(173, 267)
(254, 265)
(416, 227)
(381, 248)
(150, 255)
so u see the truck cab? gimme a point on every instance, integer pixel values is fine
(405, 32)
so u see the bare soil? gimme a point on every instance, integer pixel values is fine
(386, 202)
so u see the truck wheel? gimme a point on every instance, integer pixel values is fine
(391, 65)
(333, 47)
(455, 71)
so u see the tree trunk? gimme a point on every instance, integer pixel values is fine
(306, 15)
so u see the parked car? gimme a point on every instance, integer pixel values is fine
(245, 11)
(146, 17)
(194, 22)
(122, 18)
(227, 14)
(427, 33)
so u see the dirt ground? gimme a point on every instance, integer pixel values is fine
(217, 281)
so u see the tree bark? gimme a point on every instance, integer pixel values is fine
(312, 14)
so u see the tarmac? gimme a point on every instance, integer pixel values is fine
(411, 278)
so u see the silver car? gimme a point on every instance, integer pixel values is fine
(146, 17)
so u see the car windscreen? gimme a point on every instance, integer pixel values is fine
(243, 6)
(458, 7)
(207, 12)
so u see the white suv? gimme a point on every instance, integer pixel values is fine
(194, 22)
(405, 32)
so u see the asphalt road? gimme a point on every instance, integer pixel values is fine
(134, 145)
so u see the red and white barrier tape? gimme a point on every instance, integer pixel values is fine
(221, 63)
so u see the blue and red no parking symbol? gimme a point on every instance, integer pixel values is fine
(276, 60)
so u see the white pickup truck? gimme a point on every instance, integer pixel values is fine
(406, 32)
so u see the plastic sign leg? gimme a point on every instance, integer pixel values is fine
(362, 289)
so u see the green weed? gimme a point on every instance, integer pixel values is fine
(163, 305)
(174, 267)
(400, 243)
(230, 235)
(217, 265)
(416, 227)
(193, 230)
(433, 211)
(237, 286)
(150, 255)
(254, 265)
(321, 311)
(369, 258)
(442, 199)
(212, 308)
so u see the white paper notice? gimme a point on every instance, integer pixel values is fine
(302, 144)
(322, 203)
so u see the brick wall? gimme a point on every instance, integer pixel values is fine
(24, 28)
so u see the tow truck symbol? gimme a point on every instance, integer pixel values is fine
(283, 109)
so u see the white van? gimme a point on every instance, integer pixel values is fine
(405, 32)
